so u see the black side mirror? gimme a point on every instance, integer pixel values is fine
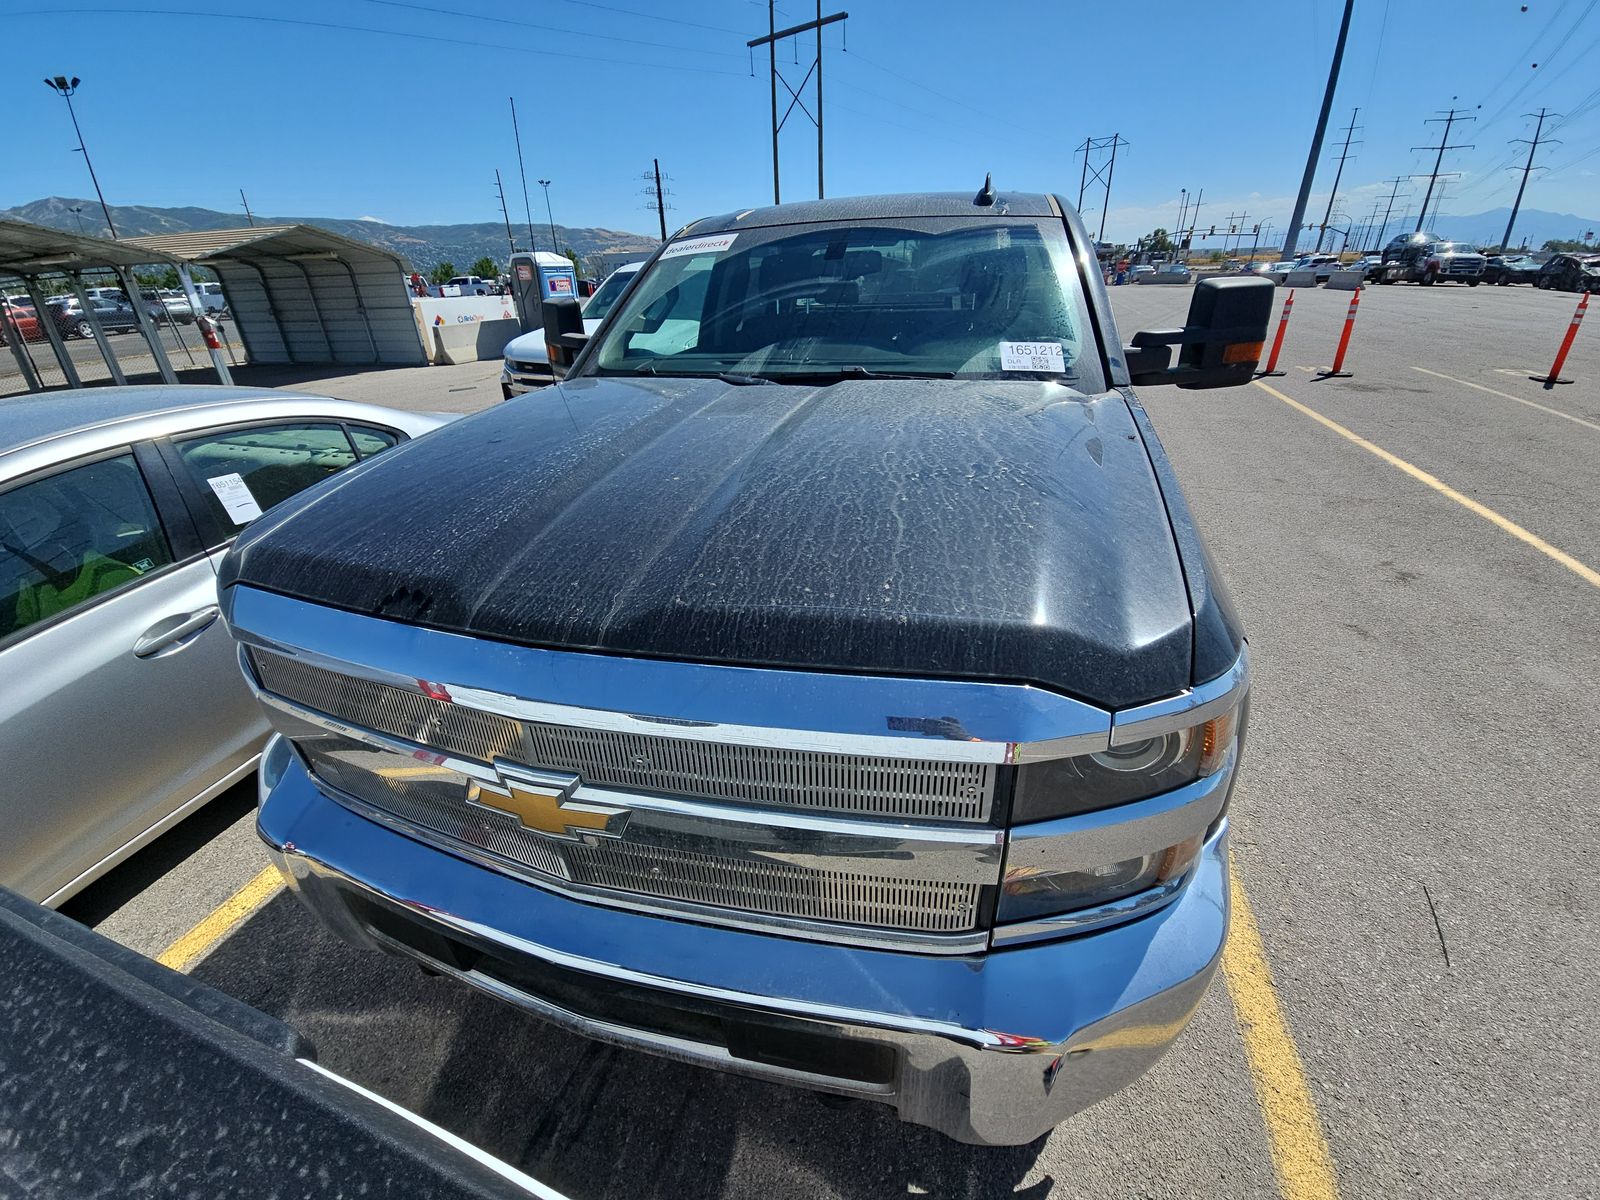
(563, 333)
(1221, 342)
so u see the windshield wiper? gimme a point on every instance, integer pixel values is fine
(742, 380)
(836, 374)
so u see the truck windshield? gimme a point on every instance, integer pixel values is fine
(950, 297)
(606, 295)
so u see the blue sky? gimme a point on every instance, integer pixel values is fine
(181, 108)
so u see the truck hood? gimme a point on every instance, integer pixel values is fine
(1009, 530)
(530, 347)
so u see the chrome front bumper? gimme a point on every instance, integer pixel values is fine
(993, 1048)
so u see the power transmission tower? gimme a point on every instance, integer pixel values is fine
(500, 188)
(1388, 207)
(774, 36)
(658, 194)
(1293, 234)
(1099, 173)
(1449, 119)
(1505, 242)
(1344, 154)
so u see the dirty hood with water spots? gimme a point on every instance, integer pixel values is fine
(1003, 530)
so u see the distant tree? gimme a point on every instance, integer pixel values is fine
(1158, 242)
(167, 278)
(1562, 246)
(577, 263)
(485, 268)
(443, 273)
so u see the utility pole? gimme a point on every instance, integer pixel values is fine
(248, 215)
(774, 36)
(505, 215)
(1301, 200)
(527, 209)
(1505, 242)
(555, 242)
(1194, 218)
(1394, 190)
(1344, 154)
(1100, 174)
(1449, 119)
(661, 203)
(1183, 204)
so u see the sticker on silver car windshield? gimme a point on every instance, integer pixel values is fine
(1032, 356)
(235, 495)
(713, 244)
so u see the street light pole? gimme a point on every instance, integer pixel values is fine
(554, 245)
(65, 88)
(77, 215)
(1293, 235)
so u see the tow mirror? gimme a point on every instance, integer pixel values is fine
(563, 333)
(1220, 344)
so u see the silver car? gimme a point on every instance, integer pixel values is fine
(122, 708)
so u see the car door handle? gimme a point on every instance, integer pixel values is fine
(164, 635)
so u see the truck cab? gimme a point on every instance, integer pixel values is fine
(824, 681)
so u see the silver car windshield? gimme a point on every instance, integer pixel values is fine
(937, 297)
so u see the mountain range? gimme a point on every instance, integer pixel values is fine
(422, 246)
(1535, 226)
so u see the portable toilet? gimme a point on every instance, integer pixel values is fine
(538, 277)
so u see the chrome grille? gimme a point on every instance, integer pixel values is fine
(814, 780)
(777, 888)
(432, 799)
(768, 775)
(391, 710)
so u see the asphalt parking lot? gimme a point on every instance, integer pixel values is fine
(1408, 1005)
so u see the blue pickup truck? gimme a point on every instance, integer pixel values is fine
(840, 694)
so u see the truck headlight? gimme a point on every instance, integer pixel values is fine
(1064, 787)
(1046, 874)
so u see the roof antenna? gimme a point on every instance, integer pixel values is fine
(985, 196)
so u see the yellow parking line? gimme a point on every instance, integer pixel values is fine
(1554, 412)
(1300, 1153)
(181, 955)
(1584, 572)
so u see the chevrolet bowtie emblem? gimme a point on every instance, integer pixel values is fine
(542, 801)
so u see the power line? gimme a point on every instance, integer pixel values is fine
(1449, 120)
(583, 33)
(1562, 44)
(633, 12)
(197, 14)
(1394, 190)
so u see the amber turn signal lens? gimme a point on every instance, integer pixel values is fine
(1242, 352)
(1216, 739)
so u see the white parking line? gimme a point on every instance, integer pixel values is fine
(1554, 412)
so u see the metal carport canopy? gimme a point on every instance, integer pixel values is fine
(30, 251)
(299, 294)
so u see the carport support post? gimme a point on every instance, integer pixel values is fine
(52, 331)
(106, 352)
(217, 361)
(152, 332)
(13, 338)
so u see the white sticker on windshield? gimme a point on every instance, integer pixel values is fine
(714, 244)
(235, 495)
(1032, 356)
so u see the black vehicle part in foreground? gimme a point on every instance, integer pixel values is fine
(119, 1077)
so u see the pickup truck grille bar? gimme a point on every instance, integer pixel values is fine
(770, 775)
(431, 801)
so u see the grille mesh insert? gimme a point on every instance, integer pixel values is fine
(890, 787)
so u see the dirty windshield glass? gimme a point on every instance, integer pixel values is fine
(937, 297)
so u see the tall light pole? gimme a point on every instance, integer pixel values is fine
(77, 215)
(65, 88)
(554, 245)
